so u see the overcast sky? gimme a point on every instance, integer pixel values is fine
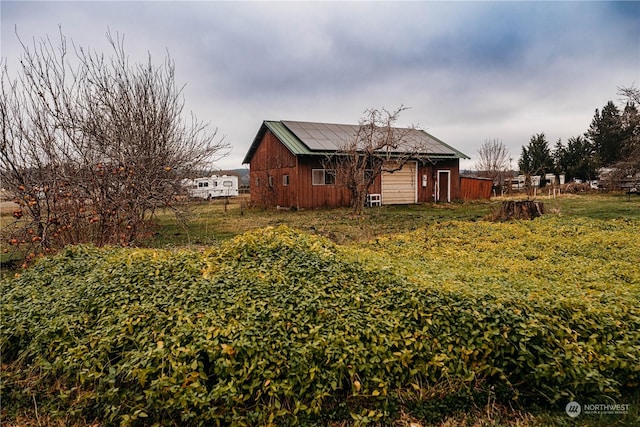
(469, 71)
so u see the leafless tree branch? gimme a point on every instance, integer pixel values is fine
(377, 147)
(493, 160)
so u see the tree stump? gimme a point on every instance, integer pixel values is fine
(519, 209)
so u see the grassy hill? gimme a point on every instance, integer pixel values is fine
(422, 315)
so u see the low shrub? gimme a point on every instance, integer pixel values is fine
(280, 327)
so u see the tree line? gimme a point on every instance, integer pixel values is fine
(612, 141)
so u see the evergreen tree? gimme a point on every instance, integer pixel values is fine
(606, 135)
(576, 160)
(558, 155)
(536, 157)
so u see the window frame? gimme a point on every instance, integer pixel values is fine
(328, 177)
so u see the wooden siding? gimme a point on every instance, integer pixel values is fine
(270, 162)
(454, 182)
(428, 174)
(475, 188)
(317, 196)
(425, 183)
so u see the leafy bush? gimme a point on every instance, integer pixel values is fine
(279, 327)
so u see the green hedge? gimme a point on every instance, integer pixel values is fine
(279, 327)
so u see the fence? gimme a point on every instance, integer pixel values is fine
(475, 188)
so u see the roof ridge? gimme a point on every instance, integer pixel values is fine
(321, 138)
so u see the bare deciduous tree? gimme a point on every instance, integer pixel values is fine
(629, 165)
(376, 147)
(92, 146)
(631, 93)
(493, 161)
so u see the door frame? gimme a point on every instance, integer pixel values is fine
(439, 182)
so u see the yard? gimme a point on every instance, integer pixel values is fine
(418, 315)
(210, 222)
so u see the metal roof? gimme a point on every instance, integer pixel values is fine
(322, 136)
(310, 138)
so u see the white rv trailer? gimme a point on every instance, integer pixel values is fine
(213, 186)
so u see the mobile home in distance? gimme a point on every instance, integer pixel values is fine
(213, 186)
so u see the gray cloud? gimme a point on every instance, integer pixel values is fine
(469, 70)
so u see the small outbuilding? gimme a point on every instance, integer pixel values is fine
(288, 160)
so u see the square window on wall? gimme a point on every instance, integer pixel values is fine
(270, 181)
(285, 180)
(317, 176)
(323, 176)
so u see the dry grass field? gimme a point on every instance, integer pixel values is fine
(211, 222)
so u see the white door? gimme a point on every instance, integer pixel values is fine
(400, 187)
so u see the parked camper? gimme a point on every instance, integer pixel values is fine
(213, 186)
